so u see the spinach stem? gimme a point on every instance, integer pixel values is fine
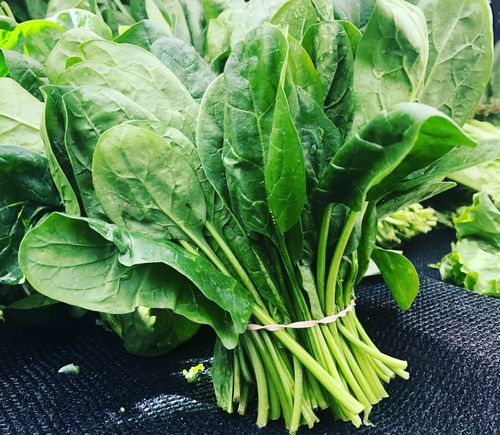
(335, 388)
(260, 380)
(297, 400)
(321, 260)
(235, 263)
(338, 254)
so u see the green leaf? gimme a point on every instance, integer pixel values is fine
(55, 148)
(65, 259)
(296, 16)
(86, 122)
(26, 177)
(34, 38)
(82, 19)
(210, 136)
(142, 34)
(145, 185)
(394, 144)
(473, 267)
(26, 71)
(11, 233)
(480, 220)
(20, 115)
(182, 59)
(117, 66)
(399, 275)
(329, 47)
(284, 171)
(151, 331)
(460, 55)
(66, 50)
(222, 376)
(390, 59)
(356, 11)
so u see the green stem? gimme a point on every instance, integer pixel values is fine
(335, 388)
(338, 254)
(236, 378)
(261, 381)
(386, 359)
(321, 261)
(235, 263)
(297, 400)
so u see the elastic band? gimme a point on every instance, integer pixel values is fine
(305, 323)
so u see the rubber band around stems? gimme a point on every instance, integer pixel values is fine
(306, 323)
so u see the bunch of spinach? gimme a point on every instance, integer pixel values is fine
(256, 193)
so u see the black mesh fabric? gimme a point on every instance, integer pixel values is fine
(449, 337)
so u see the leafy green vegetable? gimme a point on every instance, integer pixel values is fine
(20, 116)
(475, 257)
(151, 331)
(227, 162)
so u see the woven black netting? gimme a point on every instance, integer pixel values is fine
(450, 338)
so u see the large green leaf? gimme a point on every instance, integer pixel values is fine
(82, 19)
(210, 135)
(143, 34)
(145, 185)
(65, 259)
(182, 59)
(26, 71)
(268, 147)
(390, 59)
(460, 55)
(53, 124)
(66, 51)
(118, 66)
(20, 116)
(34, 38)
(399, 275)
(296, 16)
(330, 50)
(26, 177)
(86, 122)
(392, 145)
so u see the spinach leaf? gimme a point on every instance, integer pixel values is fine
(139, 170)
(28, 176)
(330, 49)
(20, 114)
(117, 66)
(460, 55)
(390, 60)
(98, 276)
(391, 146)
(399, 275)
(53, 123)
(66, 52)
(26, 71)
(182, 59)
(85, 123)
(34, 38)
(82, 19)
